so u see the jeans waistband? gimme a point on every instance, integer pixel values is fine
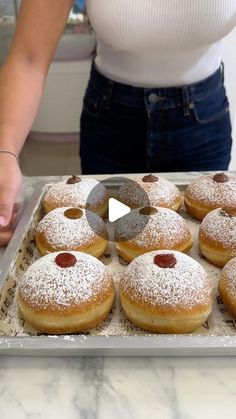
(192, 92)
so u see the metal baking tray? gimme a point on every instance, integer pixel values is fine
(216, 338)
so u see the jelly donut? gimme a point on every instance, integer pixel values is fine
(157, 228)
(166, 292)
(71, 229)
(150, 190)
(217, 236)
(78, 192)
(209, 192)
(227, 286)
(66, 293)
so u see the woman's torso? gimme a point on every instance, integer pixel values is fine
(160, 42)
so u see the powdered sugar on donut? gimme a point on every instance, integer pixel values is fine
(229, 274)
(139, 193)
(62, 231)
(46, 284)
(87, 192)
(210, 192)
(186, 284)
(166, 226)
(221, 228)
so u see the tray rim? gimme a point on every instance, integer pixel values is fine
(147, 345)
(103, 345)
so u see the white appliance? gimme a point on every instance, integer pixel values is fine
(58, 116)
(61, 105)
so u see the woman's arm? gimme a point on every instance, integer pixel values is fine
(22, 79)
(40, 24)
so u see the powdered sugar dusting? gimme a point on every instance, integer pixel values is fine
(45, 283)
(218, 324)
(138, 193)
(88, 192)
(221, 228)
(66, 232)
(165, 226)
(229, 272)
(187, 284)
(217, 194)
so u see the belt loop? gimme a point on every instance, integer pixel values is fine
(185, 95)
(222, 70)
(108, 94)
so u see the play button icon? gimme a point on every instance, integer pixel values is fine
(116, 210)
(122, 225)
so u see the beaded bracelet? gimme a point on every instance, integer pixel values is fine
(13, 154)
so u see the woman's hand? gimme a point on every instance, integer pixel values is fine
(10, 182)
(7, 232)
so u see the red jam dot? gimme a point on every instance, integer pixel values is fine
(73, 179)
(150, 178)
(221, 178)
(165, 260)
(73, 213)
(148, 211)
(65, 260)
(228, 212)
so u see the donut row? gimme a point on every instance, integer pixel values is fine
(142, 230)
(90, 194)
(212, 199)
(160, 291)
(203, 195)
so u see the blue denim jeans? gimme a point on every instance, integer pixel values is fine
(127, 129)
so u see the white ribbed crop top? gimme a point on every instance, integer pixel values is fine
(160, 42)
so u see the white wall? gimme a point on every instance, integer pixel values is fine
(229, 58)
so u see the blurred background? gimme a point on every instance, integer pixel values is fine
(54, 138)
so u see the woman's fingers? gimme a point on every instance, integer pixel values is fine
(7, 199)
(15, 213)
(16, 207)
(5, 237)
(10, 181)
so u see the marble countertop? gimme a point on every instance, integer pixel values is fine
(117, 388)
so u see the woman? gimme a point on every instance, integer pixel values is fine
(155, 100)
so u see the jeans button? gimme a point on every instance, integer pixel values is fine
(153, 98)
